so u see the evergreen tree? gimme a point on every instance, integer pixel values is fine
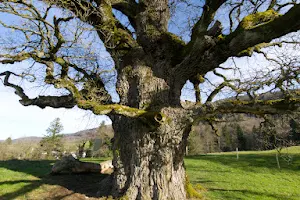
(8, 141)
(52, 141)
(240, 138)
(295, 131)
(228, 139)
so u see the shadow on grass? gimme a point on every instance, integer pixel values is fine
(86, 184)
(250, 162)
(243, 194)
(200, 180)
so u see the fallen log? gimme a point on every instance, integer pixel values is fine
(68, 164)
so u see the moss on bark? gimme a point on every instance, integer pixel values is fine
(257, 19)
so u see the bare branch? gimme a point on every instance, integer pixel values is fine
(208, 53)
(259, 107)
(253, 30)
(67, 101)
(196, 80)
(209, 10)
(115, 36)
(128, 8)
(11, 59)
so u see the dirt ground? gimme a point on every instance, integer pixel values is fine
(75, 187)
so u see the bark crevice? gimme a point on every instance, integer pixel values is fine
(149, 162)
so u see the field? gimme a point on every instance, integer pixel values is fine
(254, 175)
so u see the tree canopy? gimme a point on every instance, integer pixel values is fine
(65, 39)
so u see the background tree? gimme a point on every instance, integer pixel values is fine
(276, 134)
(51, 142)
(150, 60)
(295, 129)
(101, 128)
(104, 145)
(8, 141)
(81, 149)
(241, 142)
(228, 139)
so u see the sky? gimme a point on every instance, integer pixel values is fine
(19, 121)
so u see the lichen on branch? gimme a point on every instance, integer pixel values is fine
(258, 19)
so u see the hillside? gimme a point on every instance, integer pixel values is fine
(72, 137)
(27, 140)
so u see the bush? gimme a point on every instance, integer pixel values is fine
(103, 152)
(19, 151)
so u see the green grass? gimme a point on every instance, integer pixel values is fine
(24, 180)
(254, 176)
(20, 177)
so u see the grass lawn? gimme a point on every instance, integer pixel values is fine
(24, 180)
(254, 176)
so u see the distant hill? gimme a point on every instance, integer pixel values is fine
(72, 137)
(27, 140)
(89, 134)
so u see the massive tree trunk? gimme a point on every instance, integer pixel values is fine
(148, 151)
(148, 160)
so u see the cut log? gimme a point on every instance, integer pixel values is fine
(107, 167)
(68, 164)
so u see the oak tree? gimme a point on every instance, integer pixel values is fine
(147, 50)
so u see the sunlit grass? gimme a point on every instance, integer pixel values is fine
(19, 178)
(253, 176)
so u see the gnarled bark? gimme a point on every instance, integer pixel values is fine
(149, 161)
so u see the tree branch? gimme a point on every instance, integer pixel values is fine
(49, 51)
(69, 101)
(128, 8)
(259, 107)
(196, 80)
(66, 101)
(208, 112)
(209, 10)
(115, 37)
(202, 56)
(262, 28)
(11, 59)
